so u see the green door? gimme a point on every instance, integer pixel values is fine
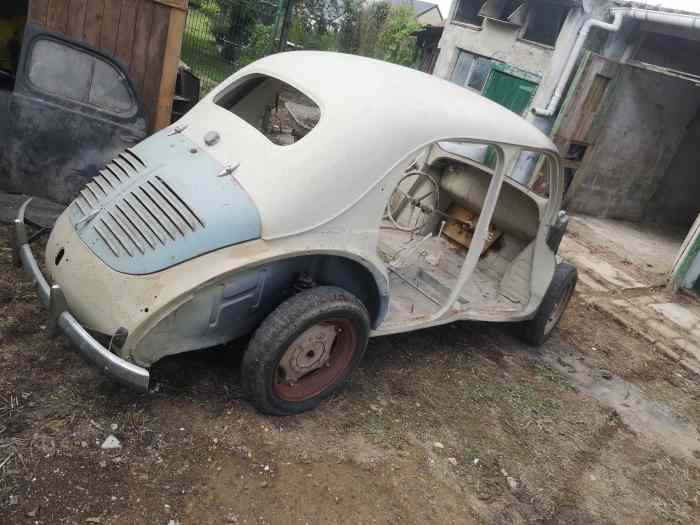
(510, 91)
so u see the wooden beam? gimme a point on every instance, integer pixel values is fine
(171, 62)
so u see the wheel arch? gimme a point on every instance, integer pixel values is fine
(235, 305)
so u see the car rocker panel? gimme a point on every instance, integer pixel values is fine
(162, 203)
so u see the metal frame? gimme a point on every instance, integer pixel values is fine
(61, 319)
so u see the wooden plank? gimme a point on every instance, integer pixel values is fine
(125, 34)
(142, 34)
(110, 25)
(175, 4)
(92, 31)
(76, 19)
(154, 57)
(57, 19)
(39, 11)
(171, 62)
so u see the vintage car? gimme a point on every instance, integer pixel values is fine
(312, 200)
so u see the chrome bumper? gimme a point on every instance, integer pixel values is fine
(61, 319)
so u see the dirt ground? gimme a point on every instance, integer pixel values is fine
(459, 424)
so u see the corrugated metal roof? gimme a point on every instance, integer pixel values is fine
(418, 6)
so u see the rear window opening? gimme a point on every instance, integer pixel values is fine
(277, 110)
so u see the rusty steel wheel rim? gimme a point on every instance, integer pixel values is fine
(316, 360)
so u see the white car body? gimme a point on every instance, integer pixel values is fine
(324, 195)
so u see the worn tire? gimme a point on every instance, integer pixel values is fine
(538, 329)
(282, 328)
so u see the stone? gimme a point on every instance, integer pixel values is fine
(14, 500)
(438, 445)
(452, 461)
(111, 443)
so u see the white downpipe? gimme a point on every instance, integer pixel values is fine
(660, 17)
(620, 13)
(553, 105)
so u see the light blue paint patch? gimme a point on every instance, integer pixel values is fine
(163, 205)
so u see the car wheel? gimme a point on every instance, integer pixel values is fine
(538, 329)
(305, 350)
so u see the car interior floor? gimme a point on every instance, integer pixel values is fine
(424, 271)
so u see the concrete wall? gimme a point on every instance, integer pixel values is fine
(644, 127)
(677, 199)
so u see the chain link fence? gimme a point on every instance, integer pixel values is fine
(222, 36)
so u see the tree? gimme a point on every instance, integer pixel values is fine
(396, 43)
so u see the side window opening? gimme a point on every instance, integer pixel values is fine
(65, 71)
(469, 12)
(510, 11)
(544, 22)
(471, 71)
(282, 113)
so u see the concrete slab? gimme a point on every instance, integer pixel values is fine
(650, 246)
(604, 271)
(678, 314)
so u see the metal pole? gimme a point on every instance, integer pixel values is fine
(286, 25)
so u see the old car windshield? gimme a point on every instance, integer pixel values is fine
(279, 111)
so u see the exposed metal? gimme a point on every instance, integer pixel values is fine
(309, 352)
(60, 317)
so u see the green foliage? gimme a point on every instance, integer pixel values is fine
(373, 29)
(395, 43)
(259, 44)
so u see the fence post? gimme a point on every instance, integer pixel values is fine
(287, 11)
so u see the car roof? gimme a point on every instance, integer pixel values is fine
(373, 115)
(375, 95)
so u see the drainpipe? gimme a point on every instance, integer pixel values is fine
(619, 13)
(553, 105)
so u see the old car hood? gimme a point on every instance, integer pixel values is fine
(161, 203)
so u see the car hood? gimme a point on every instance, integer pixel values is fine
(161, 203)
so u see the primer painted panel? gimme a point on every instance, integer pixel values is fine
(161, 205)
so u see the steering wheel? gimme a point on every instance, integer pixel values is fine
(415, 199)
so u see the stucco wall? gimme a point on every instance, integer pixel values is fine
(643, 129)
(501, 42)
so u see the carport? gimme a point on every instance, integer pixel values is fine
(630, 128)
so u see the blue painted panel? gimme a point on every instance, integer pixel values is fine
(160, 204)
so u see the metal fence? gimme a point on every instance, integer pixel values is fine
(222, 36)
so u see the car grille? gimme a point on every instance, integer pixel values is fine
(132, 210)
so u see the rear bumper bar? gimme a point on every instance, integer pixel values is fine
(61, 319)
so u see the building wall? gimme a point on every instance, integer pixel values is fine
(677, 199)
(643, 129)
(493, 40)
(502, 42)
